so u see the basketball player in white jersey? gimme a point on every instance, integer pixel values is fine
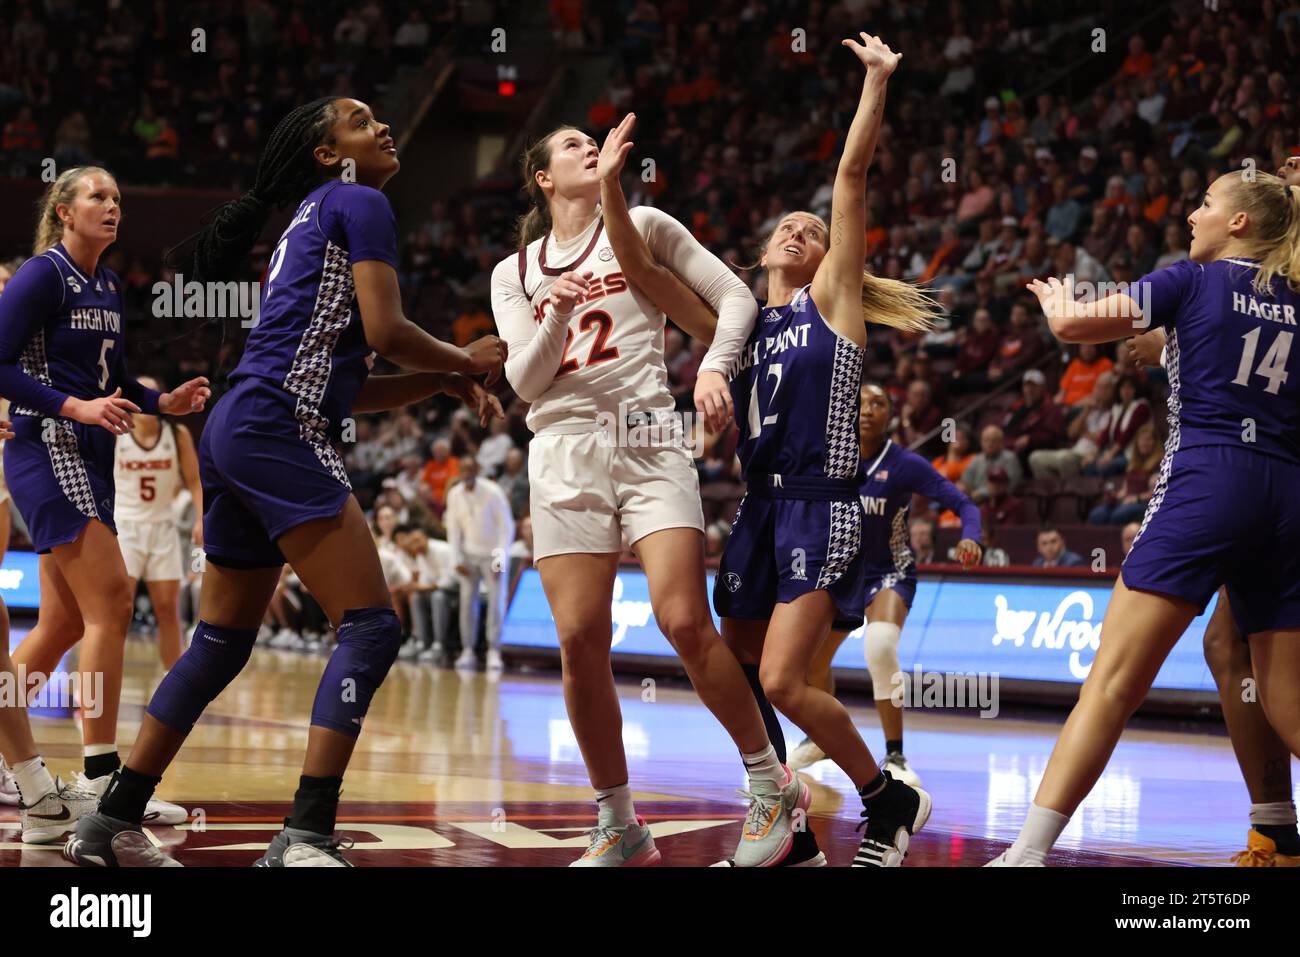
(152, 462)
(586, 350)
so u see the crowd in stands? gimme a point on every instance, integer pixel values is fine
(185, 93)
(996, 165)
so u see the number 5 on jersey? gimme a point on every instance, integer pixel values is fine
(103, 362)
(599, 351)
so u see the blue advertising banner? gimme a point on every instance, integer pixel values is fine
(20, 580)
(1037, 632)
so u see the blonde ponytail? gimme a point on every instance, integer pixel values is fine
(1284, 258)
(61, 192)
(1273, 210)
(899, 305)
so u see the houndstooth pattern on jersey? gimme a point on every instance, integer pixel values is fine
(1175, 406)
(35, 364)
(844, 543)
(899, 545)
(309, 375)
(842, 414)
(69, 469)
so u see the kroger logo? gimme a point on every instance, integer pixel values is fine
(627, 614)
(1071, 623)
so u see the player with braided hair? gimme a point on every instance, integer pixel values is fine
(274, 487)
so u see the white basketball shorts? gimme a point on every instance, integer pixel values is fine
(584, 494)
(152, 550)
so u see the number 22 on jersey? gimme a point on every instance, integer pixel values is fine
(599, 351)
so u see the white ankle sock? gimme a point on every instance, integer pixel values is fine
(618, 800)
(1279, 812)
(765, 766)
(1041, 829)
(33, 779)
(95, 750)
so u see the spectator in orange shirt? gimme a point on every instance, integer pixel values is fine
(471, 324)
(956, 457)
(1081, 377)
(162, 150)
(603, 114)
(439, 471)
(164, 143)
(566, 24)
(21, 134)
(1138, 61)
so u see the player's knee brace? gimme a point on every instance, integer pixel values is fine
(882, 657)
(369, 639)
(213, 659)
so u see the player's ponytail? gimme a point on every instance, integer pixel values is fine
(900, 305)
(61, 192)
(286, 172)
(534, 223)
(1273, 210)
(1284, 258)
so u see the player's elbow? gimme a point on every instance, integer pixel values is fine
(1073, 329)
(521, 383)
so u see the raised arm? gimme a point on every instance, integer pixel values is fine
(837, 287)
(669, 294)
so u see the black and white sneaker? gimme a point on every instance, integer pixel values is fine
(295, 847)
(55, 814)
(885, 841)
(103, 841)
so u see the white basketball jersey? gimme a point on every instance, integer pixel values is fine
(615, 351)
(147, 479)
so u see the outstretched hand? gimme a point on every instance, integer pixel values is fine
(617, 146)
(487, 405)
(188, 397)
(874, 53)
(1055, 296)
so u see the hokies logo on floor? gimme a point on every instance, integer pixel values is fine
(1069, 624)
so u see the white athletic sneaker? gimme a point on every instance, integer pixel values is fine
(467, 661)
(626, 845)
(410, 649)
(1001, 861)
(898, 768)
(8, 786)
(806, 755)
(431, 655)
(494, 662)
(284, 638)
(57, 813)
(155, 812)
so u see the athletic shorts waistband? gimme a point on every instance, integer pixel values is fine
(801, 487)
(607, 420)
